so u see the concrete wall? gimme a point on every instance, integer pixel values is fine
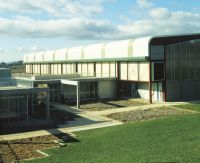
(107, 89)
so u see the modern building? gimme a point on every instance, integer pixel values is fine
(18, 98)
(157, 68)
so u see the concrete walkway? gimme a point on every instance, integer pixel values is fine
(88, 120)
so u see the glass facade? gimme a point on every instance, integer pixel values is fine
(88, 91)
(13, 107)
(182, 60)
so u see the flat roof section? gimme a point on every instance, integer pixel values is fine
(173, 39)
(20, 90)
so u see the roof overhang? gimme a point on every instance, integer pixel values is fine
(173, 39)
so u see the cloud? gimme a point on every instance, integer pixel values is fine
(76, 28)
(160, 21)
(160, 13)
(144, 3)
(157, 20)
(57, 8)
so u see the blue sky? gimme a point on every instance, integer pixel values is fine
(29, 26)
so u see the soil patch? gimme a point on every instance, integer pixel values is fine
(139, 115)
(15, 150)
(107, 104)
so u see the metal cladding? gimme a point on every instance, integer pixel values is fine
(118, 49)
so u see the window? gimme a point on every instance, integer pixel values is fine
(158, 71)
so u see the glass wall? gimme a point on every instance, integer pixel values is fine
(182, 61)
(88, 91)
(13, 108)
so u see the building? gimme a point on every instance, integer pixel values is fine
(157, 68)
(18, 98)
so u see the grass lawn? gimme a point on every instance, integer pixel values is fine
(172, 139)
(192, 106)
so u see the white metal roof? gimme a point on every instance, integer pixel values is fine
(126, 48)
(141, 47)
(31, 57)
(61, 54)
(39, 56)
(75, 53)
(118, 49)
(94, 51)
(49, 55)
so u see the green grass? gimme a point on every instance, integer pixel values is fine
(174, 139)
(192, 106)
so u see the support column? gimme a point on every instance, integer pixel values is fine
(78, 95)
(150, 84)
(47, 107)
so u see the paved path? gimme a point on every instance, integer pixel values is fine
(88, 120)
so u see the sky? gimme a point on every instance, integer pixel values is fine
(28, 26)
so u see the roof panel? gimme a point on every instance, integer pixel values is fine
(94, 51)
(61, 54)
(49, 55)
(75, 53)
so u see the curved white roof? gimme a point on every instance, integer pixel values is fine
(61, 54)
(75, 53)
(49, 55)
(141, 47)
(25, 58)
(39, 56)
(31, 57)
(118, 49)
(94, 51)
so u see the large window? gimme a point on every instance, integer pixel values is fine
(158, 71)
(182, 60)
(88, 91)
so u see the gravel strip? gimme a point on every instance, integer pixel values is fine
(106, 104)
(139, 115)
